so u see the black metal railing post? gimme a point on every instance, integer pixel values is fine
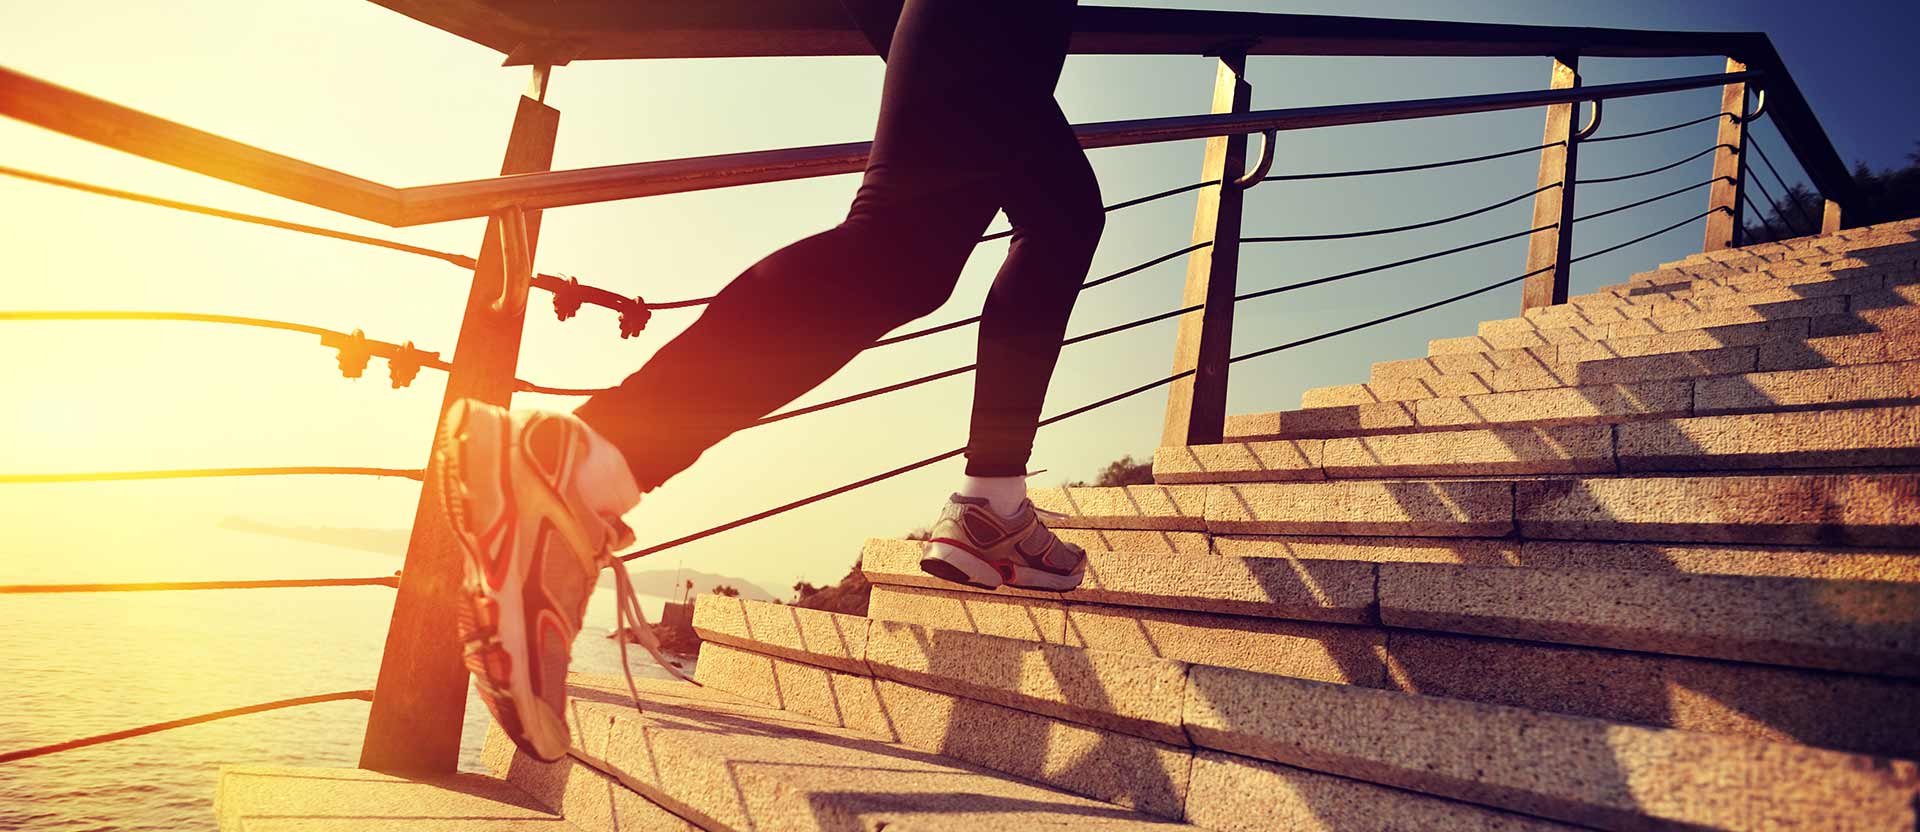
(1197, 404)
(420, 698)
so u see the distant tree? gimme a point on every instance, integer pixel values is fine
(849, 596)
(728, 591)
(1883, 196)
(1122, 471)
(922, 533)
(803, 590)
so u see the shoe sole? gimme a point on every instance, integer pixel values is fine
(956, 565)
(484, 652)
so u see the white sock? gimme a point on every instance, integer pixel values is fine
(1004, 494)
(606, 468)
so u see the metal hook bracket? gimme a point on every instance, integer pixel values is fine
(516, 261)
(1265, 166)
(1759, 108)
(1592, 125)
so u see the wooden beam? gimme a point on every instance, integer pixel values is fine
(1724, 198)
(1197, 404)
(1552, 248)
(421, 695)
(1830, 219)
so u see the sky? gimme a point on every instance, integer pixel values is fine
(353, 86)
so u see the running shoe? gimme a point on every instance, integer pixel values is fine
(973, 544)
(535, 524)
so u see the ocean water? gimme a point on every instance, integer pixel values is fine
(83, 664)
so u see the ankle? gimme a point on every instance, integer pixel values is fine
(1003, 494)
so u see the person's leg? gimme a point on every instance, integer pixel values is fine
(945, 144)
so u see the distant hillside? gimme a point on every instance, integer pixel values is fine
(669, 583)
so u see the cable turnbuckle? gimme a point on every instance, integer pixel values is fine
(354, 352)
(634, 317)
(405, 362)
(567, 299)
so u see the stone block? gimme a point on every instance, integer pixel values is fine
(1845, 510)
(1238, 794)
(1565, 405)
(1125, 692)
(1858, 437)
(1321, 422)
(1723, 317)
(1799, 389)
(1488, 551)
(286, 798)
(1281, 459)
(1688, 340)
(827, 696)
(1842, 711)
(1829, 563)
(1465, 362)
(1838, 351)
(1027, 619)
(1334, 591)
(1129, 771)
(1327, 652)
(1143, 541)
(1569, 449)
(1156, 507)
(1858, 627)
(1576, 769)
(815, 636)
(1417, 509)
(731, 764)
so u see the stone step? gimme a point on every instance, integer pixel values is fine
(1122, 769)
(1863, 385)
(1840, 711)
(1828, 563)
(1620, 370)
(1849, 386)
(1310, 650)
(1329, 591)
(1865, 509)
(279, 798)
(1847, 438)
(724, 761)
(1853, 626)
(1571, 768)
(1838, 351)
(1222, 791)
(1761, 289)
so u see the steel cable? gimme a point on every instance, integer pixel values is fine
(1651, 199)
(1395, 264)
(1398, 228)
(194, 473)
(189, 586)
(1652, 171)
(40, 751)
(1297, 177)
(1670, 127)
(1762, 216)
(1797, 207)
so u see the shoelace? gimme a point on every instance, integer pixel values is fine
(628, 618)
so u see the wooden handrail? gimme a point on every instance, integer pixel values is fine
(103, 122)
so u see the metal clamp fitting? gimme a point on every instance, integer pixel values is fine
(354, 352)
(567, 299)
(634, 317)
(1260, 171)
(1592, 125)
(516, 261)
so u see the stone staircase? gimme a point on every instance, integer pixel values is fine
(1649, 559)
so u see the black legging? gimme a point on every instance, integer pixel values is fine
(968, 126)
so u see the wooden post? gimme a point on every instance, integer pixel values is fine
(1553, 247)
(1729, 186)
(1197, 404)
(420, 699)
(1830, 218)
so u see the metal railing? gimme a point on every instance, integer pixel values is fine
(418, 703)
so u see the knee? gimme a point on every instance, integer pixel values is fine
(904, 268)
